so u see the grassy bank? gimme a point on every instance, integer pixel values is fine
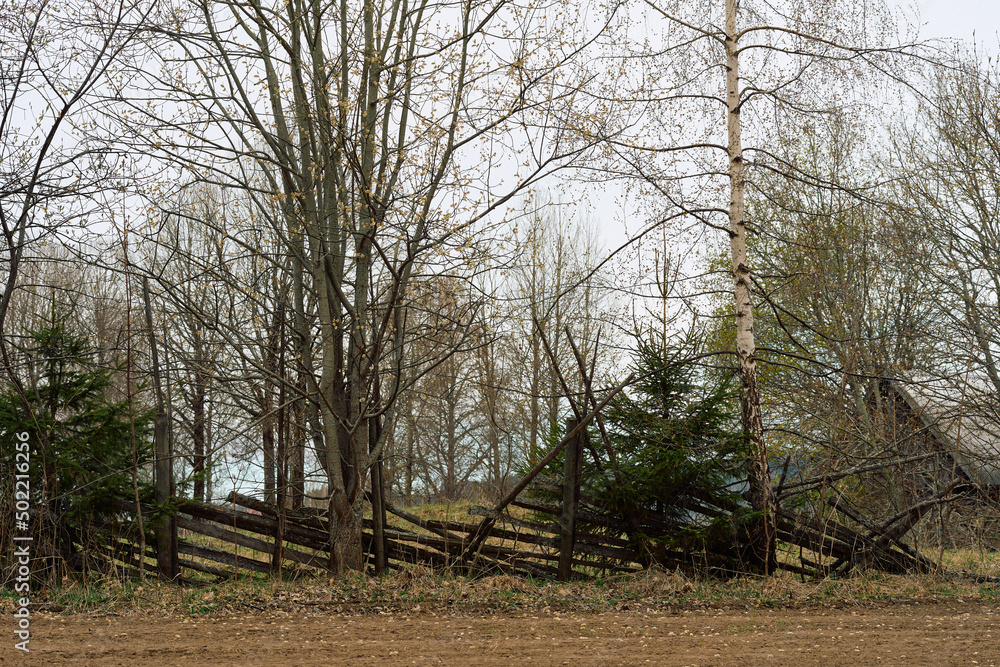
(417, 589)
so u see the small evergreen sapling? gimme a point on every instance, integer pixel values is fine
(681, 461)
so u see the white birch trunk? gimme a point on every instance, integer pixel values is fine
(761, 495)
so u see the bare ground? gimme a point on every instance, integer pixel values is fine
(944, 633)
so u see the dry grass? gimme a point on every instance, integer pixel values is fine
(421, 588)
(418, 588)
(985, 563)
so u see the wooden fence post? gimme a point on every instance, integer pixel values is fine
(571, 500)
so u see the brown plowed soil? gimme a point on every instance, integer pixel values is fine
(951, 633)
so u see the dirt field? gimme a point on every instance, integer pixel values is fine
(951, 633)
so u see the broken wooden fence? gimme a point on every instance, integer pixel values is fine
(576, 538)
(246, 536)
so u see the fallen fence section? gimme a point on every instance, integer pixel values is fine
(575, 538)
(250, 537)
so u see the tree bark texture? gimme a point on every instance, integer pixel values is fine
(762, 552)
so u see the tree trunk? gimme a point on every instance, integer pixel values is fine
(165, 528)
(411, 438)
(297, 457)
(346, 552)
(198, 435)
(267, 440)
(762, 548)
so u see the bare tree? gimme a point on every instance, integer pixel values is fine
(54, 63)
(951, 157)
(555, 289)
(354, 120)
(193, 303)
(841, 306)
(724, 78)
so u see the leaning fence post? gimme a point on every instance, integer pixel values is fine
(571, 496)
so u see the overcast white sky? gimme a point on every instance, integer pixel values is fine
(961, 19)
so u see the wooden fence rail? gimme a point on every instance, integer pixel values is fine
(575, 538)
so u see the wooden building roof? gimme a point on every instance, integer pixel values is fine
(963, 416)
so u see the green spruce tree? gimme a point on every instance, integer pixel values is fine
(81, 438)
(676, 487)
(682, 461)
